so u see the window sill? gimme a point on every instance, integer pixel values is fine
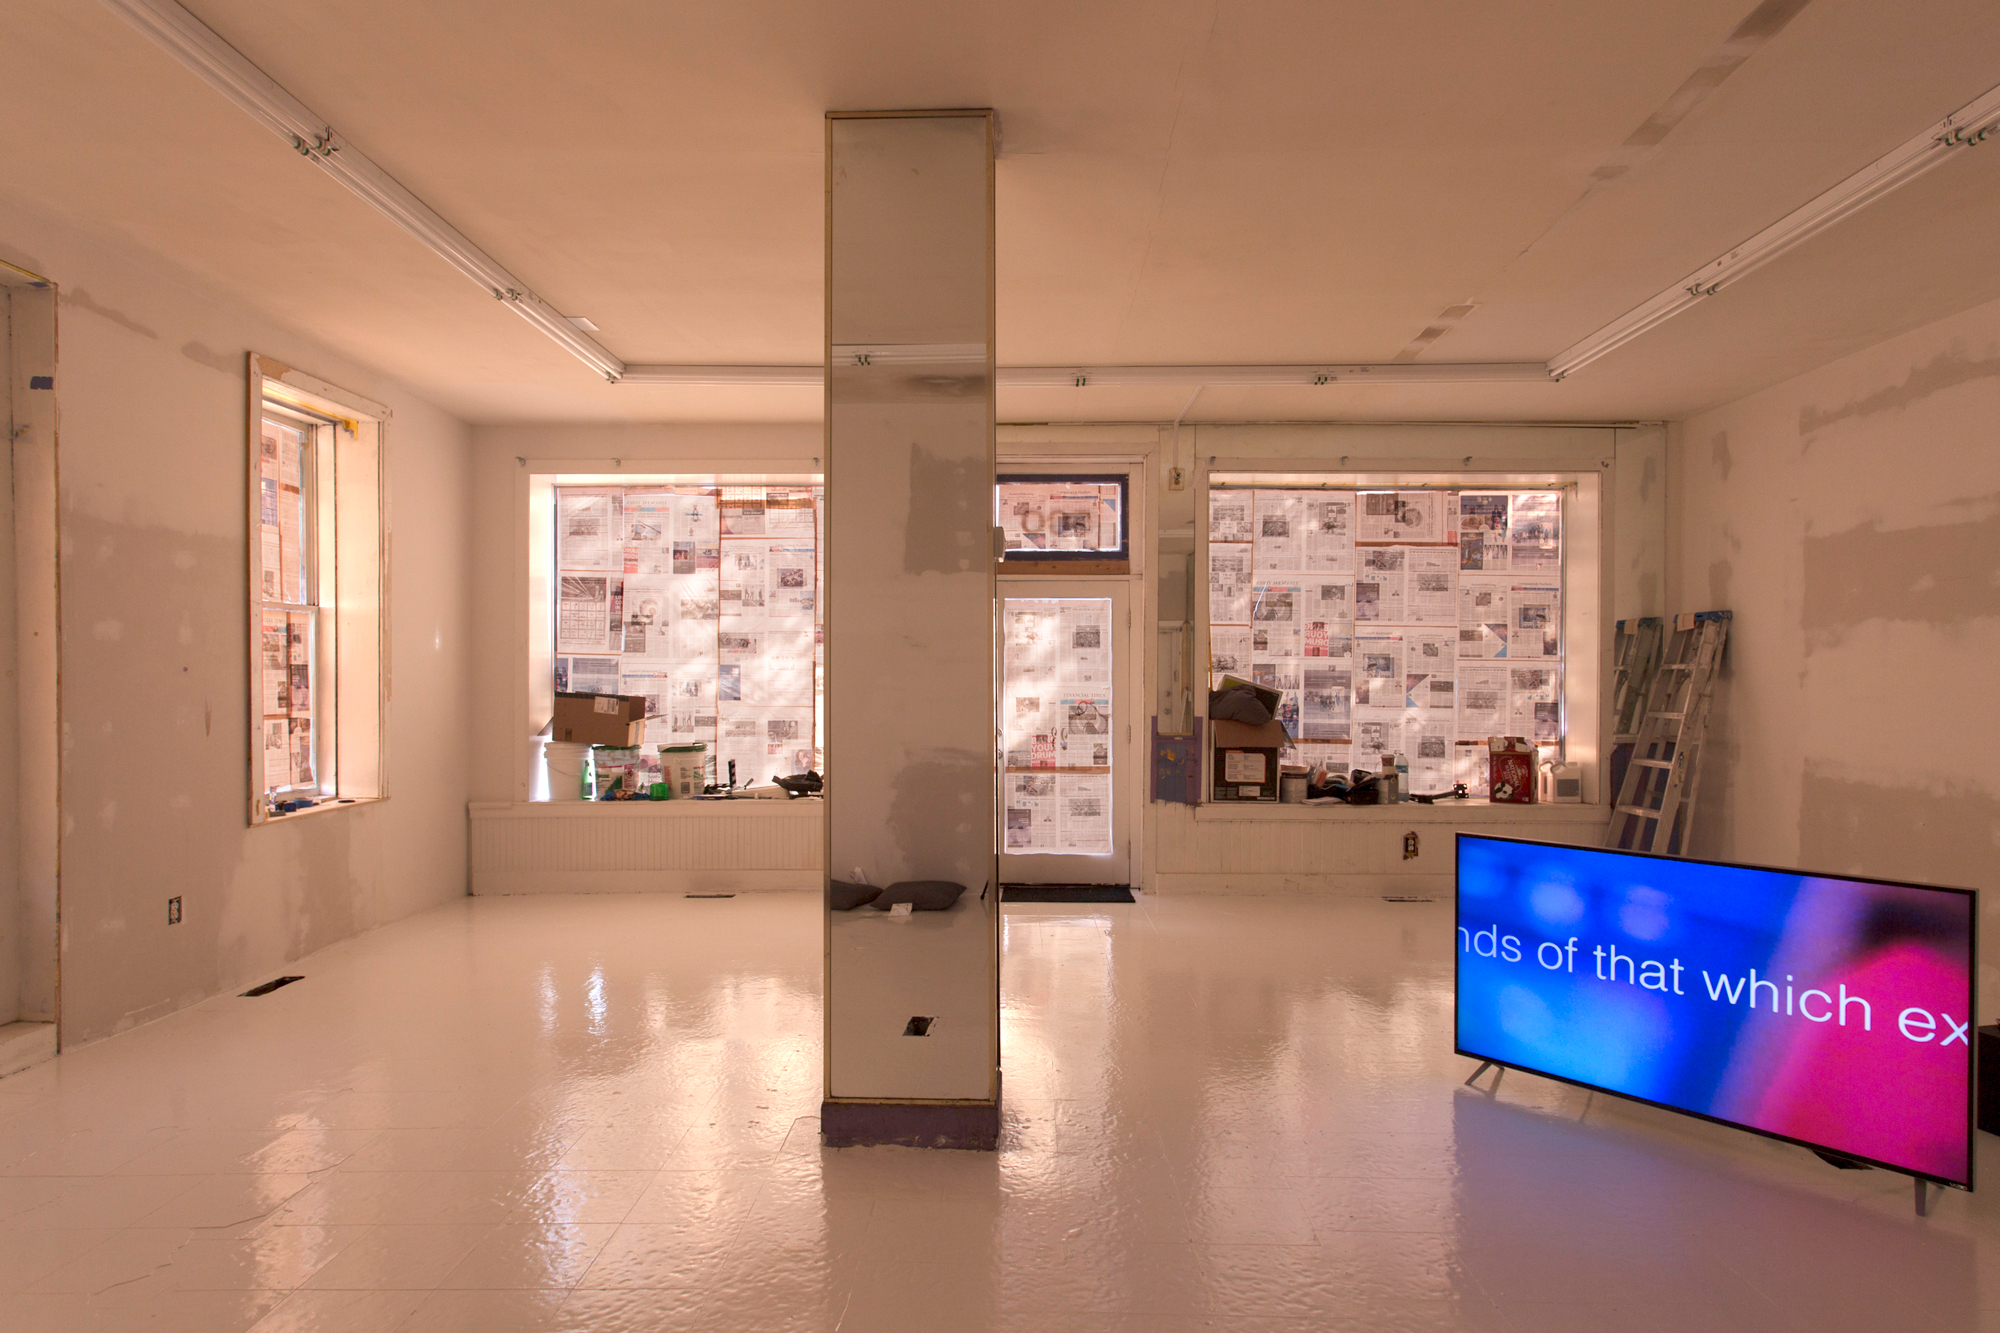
(324, 806)
(681, 809)
(1407, 812)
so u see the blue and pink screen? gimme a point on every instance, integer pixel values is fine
(1833, 1011)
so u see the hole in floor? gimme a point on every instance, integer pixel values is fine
(918, 1027)
(1066, 893)
(270, 986)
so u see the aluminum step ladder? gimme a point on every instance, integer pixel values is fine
(1656, 801)
(1635, 661)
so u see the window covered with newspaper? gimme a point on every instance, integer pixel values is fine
(703, 597)
(289, 587)
(1417, 621)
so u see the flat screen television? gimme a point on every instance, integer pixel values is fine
(1828, 1011)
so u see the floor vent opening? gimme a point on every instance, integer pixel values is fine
(1066, 893)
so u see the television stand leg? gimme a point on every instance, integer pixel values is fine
(1923, 1197)
(1485, 1065)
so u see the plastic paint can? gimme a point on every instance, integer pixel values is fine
(566, 761)
(684, 768)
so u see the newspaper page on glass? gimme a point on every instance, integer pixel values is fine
(1379, 592)
(1228, 652)
(1327, 702)
(1329, 532)
(1279, 519)
(1057, 726)
(1535, 626)
(1427, 748)
(1229, 516)
(742, 511)
(1534, 533)
(1534, 710)
(1432, 596)
(584, 622)
(1482, 701)
(1430, 672)
(1229, 584)
(1380, 690)
(1274, 620)
(1060, 514)
(1483, 532)
(1407, 517)
(1482, 620)
(590, 530)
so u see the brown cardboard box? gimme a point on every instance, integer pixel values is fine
(1246, 760)
(599, 719)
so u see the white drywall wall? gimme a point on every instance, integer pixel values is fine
(152, 445)
(1851, 519)
(12, 933)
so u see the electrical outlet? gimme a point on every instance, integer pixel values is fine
(1176, 479)
(173, 911)
(1409, 846)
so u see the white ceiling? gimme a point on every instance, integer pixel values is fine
(1180, 182)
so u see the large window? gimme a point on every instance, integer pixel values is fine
(702, 596)
(316, 582)
(1417, 621)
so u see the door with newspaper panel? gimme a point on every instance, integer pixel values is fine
(1066, 770)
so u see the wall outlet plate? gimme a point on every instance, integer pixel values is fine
(173, 911)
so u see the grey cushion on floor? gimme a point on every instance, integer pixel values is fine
(846, 897)
(923, 895)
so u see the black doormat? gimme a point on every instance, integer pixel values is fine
(1065, 893)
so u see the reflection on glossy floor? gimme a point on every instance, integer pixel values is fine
(598, 1113)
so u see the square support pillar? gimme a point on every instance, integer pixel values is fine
(912, 1000)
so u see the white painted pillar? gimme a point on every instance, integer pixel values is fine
(909, 622)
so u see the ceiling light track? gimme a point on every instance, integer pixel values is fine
(1964, 128)
(1125, 377)
(224, 68)
(227, 70)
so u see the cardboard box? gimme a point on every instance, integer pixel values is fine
(1513, 770)
(1246, 760)
(599, 719)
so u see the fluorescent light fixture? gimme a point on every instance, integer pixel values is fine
(1097, 377)
(224, 68)
(726, 377)
(1292, 376)
(1963, 128)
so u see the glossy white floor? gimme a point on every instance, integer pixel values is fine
(598, 1113)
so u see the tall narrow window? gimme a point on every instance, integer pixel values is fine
(290, 600)
(318, 683)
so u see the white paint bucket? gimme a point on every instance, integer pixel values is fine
(566, 761)
(684, 768)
